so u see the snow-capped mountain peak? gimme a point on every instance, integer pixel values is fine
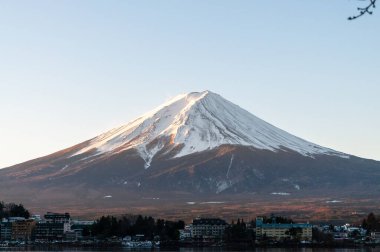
(196, 122)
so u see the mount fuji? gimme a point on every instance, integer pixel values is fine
(198, 122)
(197, 151)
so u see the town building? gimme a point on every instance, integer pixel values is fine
(57, 217)
(6, 227)
(46, 232)
(185, 234)
(79, 227)
(5, 230)
(73, 235)
(36, 217)
(208, 228)
(281, 231)
(54, 228)
(375, 236)
(22, 230)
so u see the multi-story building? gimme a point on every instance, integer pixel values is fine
(207, 228)
(78, 227)
(53, 228)
(185, 234)
(280, 231)
(6, 227)
(375, 236)
(57, 217)
(22, 229)
(36, 217)
(45, 231)
(5, 230)
(73, 235)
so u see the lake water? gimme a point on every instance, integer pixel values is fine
(203, 250)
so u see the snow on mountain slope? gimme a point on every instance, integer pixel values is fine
(197, 122)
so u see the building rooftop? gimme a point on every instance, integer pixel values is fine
(287, 225)
(209, 221)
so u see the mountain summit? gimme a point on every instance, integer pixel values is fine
(194, 151)
(196, 122)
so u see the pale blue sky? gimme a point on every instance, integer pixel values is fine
(70, 70)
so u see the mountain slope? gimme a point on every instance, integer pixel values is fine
(197, 122)
(197, 147)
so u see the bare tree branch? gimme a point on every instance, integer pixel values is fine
(365, 10)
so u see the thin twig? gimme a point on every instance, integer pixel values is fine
(366, 10)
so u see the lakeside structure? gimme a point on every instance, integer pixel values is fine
(22, 229)
(375, 236)
(206, 229)
(54, 227)
(283, 231)
(57, 228)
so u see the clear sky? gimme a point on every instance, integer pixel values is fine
(70, 70)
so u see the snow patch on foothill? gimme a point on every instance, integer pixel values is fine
(280, 193)
(222, 186)
(333, 201)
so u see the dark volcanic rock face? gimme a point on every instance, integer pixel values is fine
(225, 173)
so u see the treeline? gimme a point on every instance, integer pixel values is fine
(239, 232)
(322, 237)
(371, 223)
(108, 226)
(8, 210)
(277, 219)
